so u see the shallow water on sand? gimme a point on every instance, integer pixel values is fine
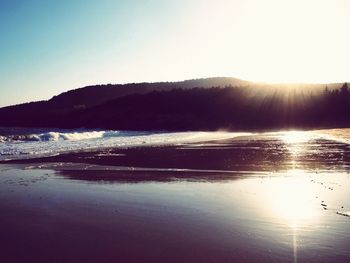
(283, 198)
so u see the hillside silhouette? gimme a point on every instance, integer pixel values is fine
(98, 94)
(203, 104)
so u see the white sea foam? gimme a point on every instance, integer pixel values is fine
(56, 136)
(49, 143)
(74, 136)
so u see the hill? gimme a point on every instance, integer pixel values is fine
(201, 104)
(98, 94)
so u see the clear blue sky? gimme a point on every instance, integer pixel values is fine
(50, 46)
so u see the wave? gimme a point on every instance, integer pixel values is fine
(38, 143)
(71, 136)
(74, 136)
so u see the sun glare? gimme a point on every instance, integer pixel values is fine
(264, 41)
(292, 199)
(296, 137)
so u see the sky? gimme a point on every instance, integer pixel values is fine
(48, 46)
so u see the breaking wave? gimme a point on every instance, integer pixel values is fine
(24, 143)
(74, 136)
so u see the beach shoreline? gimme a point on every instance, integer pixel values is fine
(251, 199)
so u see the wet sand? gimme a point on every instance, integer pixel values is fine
(265, 198)
(270, 152)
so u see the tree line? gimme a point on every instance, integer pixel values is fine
(231, 108)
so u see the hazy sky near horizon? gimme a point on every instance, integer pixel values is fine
(49, 46)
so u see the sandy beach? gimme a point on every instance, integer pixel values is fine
(262, 198)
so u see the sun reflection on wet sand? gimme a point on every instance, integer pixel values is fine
(291, 197)
(295, 246)
(295, 206)
(296, 142)
(296, 137)
(292, 201)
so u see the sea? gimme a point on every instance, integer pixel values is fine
(24, 143)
